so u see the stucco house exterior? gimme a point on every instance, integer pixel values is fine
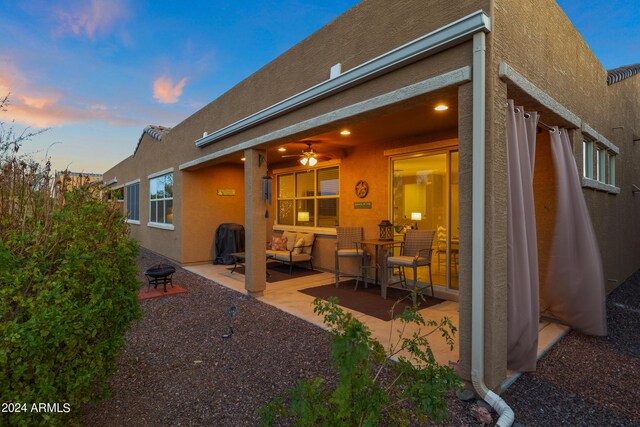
(379, 71)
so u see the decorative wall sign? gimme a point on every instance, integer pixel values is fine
(226, 192)
(362, 189)
(362, 205)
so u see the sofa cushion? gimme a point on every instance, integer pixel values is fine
(287, 256)
(278, 243)
(291, 239)
(308, 242)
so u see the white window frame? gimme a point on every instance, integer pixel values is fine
(587, 158)
(600, 164)
(605, 154)
(611, 163)
(129, 195)
(315, 198)
(152, 179)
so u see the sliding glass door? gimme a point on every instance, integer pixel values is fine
(425, 196)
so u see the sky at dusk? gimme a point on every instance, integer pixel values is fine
(96, 72)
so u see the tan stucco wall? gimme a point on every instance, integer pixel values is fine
(537, 39)
(204, 210)
(152, 156)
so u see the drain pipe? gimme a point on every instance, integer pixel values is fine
(477, 260)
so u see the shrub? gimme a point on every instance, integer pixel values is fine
(68, 293)
(370, 389)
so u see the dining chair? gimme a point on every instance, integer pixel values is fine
(415, 252)
(441, 244)
(348, 246)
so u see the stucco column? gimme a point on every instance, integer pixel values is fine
(255, 167)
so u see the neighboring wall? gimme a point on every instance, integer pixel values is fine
(538, 40)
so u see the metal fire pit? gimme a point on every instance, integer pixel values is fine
(160, 273)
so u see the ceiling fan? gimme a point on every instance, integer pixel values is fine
(309, 156)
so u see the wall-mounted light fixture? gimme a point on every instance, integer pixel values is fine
(441, 107)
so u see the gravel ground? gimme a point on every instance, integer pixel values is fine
(177, 369)
(588, 381)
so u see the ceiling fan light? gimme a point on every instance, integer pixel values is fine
(313, 161)
(304, 161)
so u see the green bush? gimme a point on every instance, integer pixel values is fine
(370, 389)
(68, 293)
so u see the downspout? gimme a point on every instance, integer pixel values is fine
(477, 261)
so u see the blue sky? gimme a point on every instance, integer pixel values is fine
(97, 71)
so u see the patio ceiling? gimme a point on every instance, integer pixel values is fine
(407, 120)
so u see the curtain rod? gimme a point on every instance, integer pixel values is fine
(540, 122)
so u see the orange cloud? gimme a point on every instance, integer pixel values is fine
(91, 18)
(165, 92)
(43, 108)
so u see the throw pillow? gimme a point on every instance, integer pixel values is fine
(291, 239)
(308, 242)
(297, 248)
(278, 243)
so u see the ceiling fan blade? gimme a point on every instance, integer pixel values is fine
(293, 155)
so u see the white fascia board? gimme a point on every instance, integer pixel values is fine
(445, 37)
(135, 181)
(512, 76)
(599, 138)
(452, 78)
(160, 173)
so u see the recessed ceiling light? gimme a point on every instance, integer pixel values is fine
(282, 149)
(441, 107)
(345, 132)
(242, 159)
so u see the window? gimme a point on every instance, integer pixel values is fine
(600, 164)
(601, 175)
(587, 158)
(133, 202)
(309, 198)
(161, 195)
(612, 169)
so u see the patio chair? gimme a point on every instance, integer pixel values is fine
(348, 246)
(415, 252)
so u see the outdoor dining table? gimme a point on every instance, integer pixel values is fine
(380, 260)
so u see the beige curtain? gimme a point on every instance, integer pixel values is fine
(574, 286)
(523, 309)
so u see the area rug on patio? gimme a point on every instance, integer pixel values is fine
(159, 292)
(278, 272)
(369, 301)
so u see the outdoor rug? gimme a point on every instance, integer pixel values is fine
(278, 272)
(159, 292)
(369, 300)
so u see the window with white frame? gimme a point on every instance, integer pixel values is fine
(600, 164)
(611, 177)
(599, 161)
(587, 158)
(309, 198)
(161, 199)
(133, 201)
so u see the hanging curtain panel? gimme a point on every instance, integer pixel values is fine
(523, 309)
(574, 286)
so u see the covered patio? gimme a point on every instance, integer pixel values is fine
(286, 295)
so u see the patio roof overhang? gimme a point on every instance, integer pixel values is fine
(436, 41)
